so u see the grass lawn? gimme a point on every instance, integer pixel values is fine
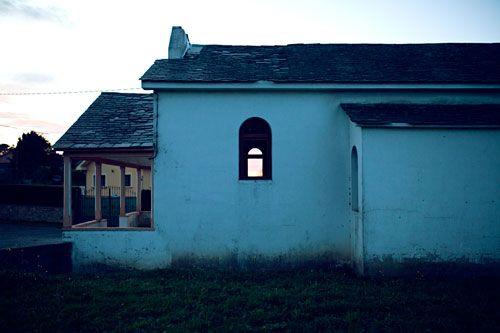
(196, 300)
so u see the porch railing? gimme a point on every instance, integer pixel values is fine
(110, 191)
(84, 204)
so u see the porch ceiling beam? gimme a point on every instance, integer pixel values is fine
(112, 161)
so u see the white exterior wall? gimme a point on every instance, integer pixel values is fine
(201, 209)
(206, 212)
(431, 194)
(117, 248)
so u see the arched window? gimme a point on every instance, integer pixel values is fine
(354, 180)
(255, 149)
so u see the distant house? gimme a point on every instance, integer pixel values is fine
(370, 154)
(110, 177)
(6, 175)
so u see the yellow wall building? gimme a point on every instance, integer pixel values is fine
(111, 176)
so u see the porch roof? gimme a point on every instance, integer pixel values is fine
(424, 114)
(112, 121)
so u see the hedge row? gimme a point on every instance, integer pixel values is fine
(32, 195)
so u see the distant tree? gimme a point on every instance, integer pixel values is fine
(34, 160)
(4, 148)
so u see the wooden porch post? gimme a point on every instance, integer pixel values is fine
(152, 194)
(139, 191)
(122, 191)
(67, 216)
(98, 212)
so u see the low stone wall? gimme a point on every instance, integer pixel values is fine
(48, 258)
(142, 220)
(31, 213)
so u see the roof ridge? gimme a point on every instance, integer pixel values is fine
(350, 44)
(328, 63)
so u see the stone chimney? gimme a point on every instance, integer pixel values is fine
(179, 43)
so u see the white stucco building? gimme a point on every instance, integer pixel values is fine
(375, 155)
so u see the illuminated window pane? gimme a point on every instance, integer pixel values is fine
(255, 151)
(255, 167)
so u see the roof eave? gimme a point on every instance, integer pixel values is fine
(410, 125)
(270, 85)
(389, 115)
(101, 150)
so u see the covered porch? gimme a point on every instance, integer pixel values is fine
(116, 130)
(137, 217)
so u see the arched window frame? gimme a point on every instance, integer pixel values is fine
(255, 133)
(354, 179)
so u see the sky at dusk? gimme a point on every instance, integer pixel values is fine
(66, 47)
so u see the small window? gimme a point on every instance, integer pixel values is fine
(255, 149)
(128, 180)
(103, 180)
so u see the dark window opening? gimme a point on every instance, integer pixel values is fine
(255, 149)
(103, 180)
(128, 180)
(354, 180)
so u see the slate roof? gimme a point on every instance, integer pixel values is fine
(113, 120)
(334, 63)
(424, 114)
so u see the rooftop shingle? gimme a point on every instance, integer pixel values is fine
(334, 63)
(112, 120)
(424, 114)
